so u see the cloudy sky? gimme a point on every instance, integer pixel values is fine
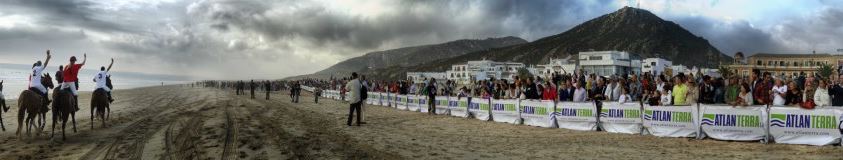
(238, 39)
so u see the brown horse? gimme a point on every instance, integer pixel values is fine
(3, 105)
(48, 83)
(30, 105)
(99, 102)
(63, 108)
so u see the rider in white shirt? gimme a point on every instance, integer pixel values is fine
(101, 78)
(35, 77)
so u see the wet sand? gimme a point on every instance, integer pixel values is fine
(175, 122)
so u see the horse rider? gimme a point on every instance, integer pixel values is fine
(35, 79)
(69, 77)
(101, 80)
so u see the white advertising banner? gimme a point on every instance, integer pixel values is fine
(621, 117)
(576, 116)
(671, 121)
(537, 113)
(396, 101)
(422, 102)
(326, 93)
(389, 99)
(412, 103)
(505, 110)
(335, 95)
(800, 126)
(734, 123)
(371, 97)
(329, 94)
(458, 106)
(381, 96)
(441, 105)
(401, 101)
(479, 108)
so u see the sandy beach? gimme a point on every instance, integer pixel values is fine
(176, 122)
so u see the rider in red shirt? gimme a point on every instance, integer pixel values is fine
(69, 76)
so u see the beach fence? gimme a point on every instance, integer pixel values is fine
(764, 124)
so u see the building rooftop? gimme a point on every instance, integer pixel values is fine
(790, 55)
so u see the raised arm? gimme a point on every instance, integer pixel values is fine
(84, 59)
(48, 59)
(109, 65)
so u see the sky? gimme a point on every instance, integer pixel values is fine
(243, 39)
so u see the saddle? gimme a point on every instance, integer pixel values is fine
(36, 90)
(44, 98)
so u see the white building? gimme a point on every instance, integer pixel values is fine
(419, 77)
(676, 69)
(481, 70)
(554, 66)
(655, 66)
(607, 63)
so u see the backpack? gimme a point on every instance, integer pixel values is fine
(364, 92)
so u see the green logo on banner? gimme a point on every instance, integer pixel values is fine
(803, 121)
(620, 113)
(731, 120)
(668, 116)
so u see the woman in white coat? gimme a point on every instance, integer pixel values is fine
(821, 97)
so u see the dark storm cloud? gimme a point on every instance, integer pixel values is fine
(279, 37)
(731, 37)
(822, 30)
(792, 35)
(442, 20)
(65, 12)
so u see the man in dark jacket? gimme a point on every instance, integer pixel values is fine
(531, 91)
(252, 87)
(267, 87)
(836, 92)
(431, 96)
(566, 93)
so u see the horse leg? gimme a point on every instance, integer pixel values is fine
(21, 114)
(38, 119)
(43, 120)
(55, 118)
(73, 115)
(108, 111)
(1, 121)
(92, 116)
(63, 124)
(28, 124)
(102, 116)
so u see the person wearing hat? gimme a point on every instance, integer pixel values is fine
(69, 76)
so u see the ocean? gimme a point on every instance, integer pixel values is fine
(15, 79)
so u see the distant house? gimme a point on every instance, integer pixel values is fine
(564, 65)
(420, 77)
(607, 63)
(785, 64)
(655, 66)
(483, 70)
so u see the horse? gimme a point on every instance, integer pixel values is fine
(30, 105)
(3, 105)
(48, 83)
(110, 86)
(64, 107)
(99, 102)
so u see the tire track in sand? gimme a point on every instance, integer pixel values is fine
(229, 150)
(129, 142)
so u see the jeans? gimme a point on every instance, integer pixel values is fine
(352, 108)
